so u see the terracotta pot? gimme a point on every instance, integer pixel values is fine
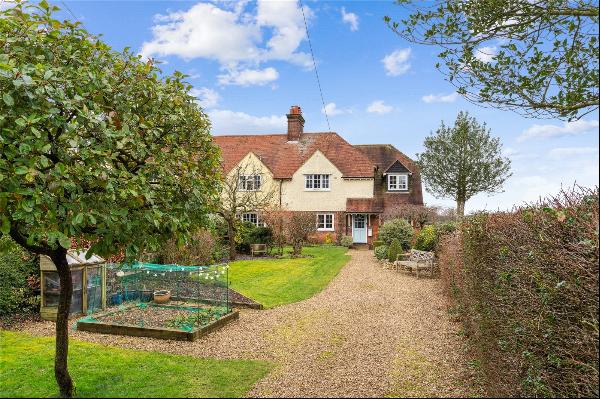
(162, 296)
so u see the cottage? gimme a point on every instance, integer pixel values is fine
(347, 186)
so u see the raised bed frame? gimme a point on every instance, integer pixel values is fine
(155, 332)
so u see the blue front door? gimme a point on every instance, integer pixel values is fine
(359, 228)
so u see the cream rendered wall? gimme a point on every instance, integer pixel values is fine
(295, 198)
(251, 164)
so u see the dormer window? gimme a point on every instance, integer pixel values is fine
(249, 183)
(316, 182)
(397, 182)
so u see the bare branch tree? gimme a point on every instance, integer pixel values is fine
(244, 190)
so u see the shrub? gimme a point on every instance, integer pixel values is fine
(19, 279)
(525, 285)
(377, 243)
(346, 241)
(396, 229)
(199, 250)
(245, 237)
(427, 238)
(381, 252)
(261, 235)
(394, 250)
(328, 239)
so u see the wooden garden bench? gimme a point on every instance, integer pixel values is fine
(415, 261)
(258, 249)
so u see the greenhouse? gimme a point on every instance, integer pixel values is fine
(162, 301)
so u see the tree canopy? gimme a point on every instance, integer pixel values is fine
(537, 57)
(463, 160)
(96, 145)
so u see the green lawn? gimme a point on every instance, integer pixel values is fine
(26, 370)
(274, 282)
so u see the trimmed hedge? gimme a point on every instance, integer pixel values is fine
(525, 285)
(394, 250)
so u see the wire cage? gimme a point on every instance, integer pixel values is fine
(155, 297)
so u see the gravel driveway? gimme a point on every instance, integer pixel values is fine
(370, 333)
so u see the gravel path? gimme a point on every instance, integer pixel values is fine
(370, 333)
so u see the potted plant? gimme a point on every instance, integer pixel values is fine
(162, 296)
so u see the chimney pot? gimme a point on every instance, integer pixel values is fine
(295, 123)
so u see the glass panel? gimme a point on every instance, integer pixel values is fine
(51, 289)
(77, 298)
(359, 221)
(94, 289)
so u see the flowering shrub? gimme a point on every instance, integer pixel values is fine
(426, 239)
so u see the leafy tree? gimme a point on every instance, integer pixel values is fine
(94, 145)
(537, 57)
(462, 161)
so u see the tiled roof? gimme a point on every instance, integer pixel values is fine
(283, 158)
(364, 205)
(385, 155)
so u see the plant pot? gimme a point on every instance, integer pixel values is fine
(162, 296)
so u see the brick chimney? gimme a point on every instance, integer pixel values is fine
(295, 123)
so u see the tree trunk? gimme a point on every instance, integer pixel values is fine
(231, 233)
(297, 248)
(460, 208)
(61, 372)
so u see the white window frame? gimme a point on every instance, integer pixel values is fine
(325, 223)
(400, 182)
(250, 182)
(246, 216)
(317, 182)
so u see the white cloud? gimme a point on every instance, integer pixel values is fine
(440, 98)
(231, 35)
(396, 63)
(379, 107)
(249, 77)
(351, 19)
(231, 122)
(567, 129)
(486, 54)
(332, 110)
(207, 98)
(568, 152)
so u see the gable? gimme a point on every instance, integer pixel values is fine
(396, 167)
(318, 163)
(251, 164)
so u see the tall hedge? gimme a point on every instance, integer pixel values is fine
(525, 284)
(19, 279)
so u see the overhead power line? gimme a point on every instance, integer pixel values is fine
(314, 65)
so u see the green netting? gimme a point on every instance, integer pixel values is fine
(160, 296)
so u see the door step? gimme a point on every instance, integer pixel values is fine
(361, 247)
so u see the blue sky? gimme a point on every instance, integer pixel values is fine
(249, 61)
